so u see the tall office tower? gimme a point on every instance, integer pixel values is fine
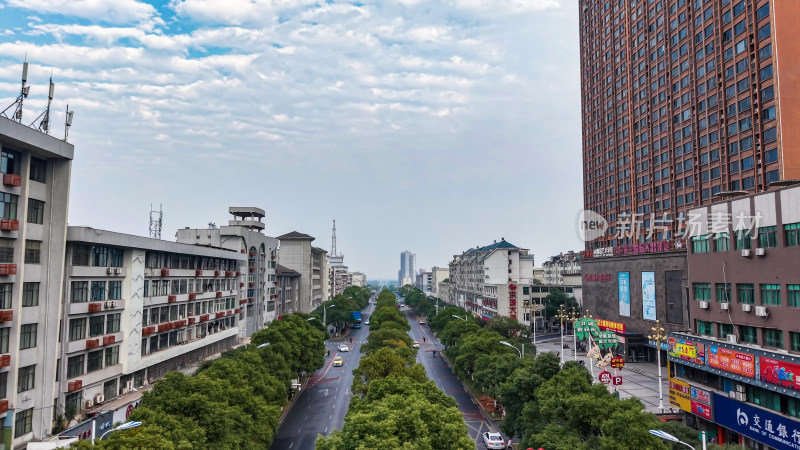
(684, 101)
(407, 265)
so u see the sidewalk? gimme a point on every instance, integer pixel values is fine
(639, 380)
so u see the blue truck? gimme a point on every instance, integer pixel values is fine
(357, 319)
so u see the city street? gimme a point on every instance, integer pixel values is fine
(446, 380)
(322, 406)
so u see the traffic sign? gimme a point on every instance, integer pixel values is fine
(605, 377)
(616, 380)
(617, 362)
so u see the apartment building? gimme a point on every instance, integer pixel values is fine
(438, 275)
(488, 280)
(288, 290)
(561, 265)
(407, 272)
(424, 280)
(33, 225)
(358, 279)
(245, 234)
(740, 362)
(681, 102)
(135, 308)
(297, 253)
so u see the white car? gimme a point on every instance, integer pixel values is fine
(366, 322)
(493, 440)
(344, 348)
(416, 345)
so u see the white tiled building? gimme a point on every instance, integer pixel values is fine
(558, 266)
(297, 253)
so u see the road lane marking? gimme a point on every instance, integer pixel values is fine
(290, 445)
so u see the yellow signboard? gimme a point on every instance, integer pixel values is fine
(680, 394)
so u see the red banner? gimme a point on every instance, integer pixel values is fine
(780, 373)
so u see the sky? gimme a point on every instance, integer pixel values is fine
(422, 125)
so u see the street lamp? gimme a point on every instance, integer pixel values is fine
(521, 353)
(265, 344)
(668, 437)
(124, 426)
(573, 317)
(325, 314)
(561, 316)
(459, 317)
(658, 336)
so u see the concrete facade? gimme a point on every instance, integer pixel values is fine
(408, 266)
(358, 279)
(561, 265)
(439, 274)
(36, 171)
(288, 289)
(297, 253)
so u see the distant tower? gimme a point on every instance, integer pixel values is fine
(155, 222)
(333, 239)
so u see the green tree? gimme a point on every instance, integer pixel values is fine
(555, 298)
(494, 368)
(384, 314)
(507, 326)
(385, 363)
(471, 346)
(387, 336)
(454, 330)
(520, 389)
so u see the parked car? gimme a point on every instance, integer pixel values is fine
(493, 440)
(343, 348)
(338, 361)
(416, 345)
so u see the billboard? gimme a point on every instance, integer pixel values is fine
(740, 363)
(701, 402)
(686, 350)
(624, 288)
(649, 295)
(780, 373)
(679, 394)
(778, 431)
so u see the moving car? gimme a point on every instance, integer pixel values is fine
(416, 345)
(366, 322)
(422, 321)
(343, 348)
(338, 361)
(493, 440)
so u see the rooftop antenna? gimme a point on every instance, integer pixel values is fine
(67, 122)
(23, 94)
(333, 239)
(44, 123)
(155, 221)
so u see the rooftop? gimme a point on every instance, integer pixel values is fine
(296, 235)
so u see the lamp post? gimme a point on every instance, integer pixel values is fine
(573, 317)
(265, 344)
(658, 336)
(561, 316)
(521, 352)
(668, 437)
(124, 426)
(325, 314)
(459, 317)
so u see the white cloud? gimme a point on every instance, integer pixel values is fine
(236, 12)
(112, 11)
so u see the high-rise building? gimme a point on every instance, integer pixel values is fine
(408, 263)
(681, 103)
(296, 253)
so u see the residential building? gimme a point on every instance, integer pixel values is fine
(681, 102)
(135, 308)
(36, 172)
(438, 274)
(245, 234)
(556, 267)
(288, 289)
(443, 292)
(297, 253)
(740, 362)
(487, 280)
(538, 275)
(358, 279)
(424, 280)
(407, 273)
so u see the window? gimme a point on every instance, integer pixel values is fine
(114, 290)
(110, 388)
(112, 356)
(38, 170)
(5, 295)
(100, 257)
(705, 328)
(5, 335)
(80, 291)
(23, 422)
(75, 366)
(773, 338)
(795, 337)
(3, 384)
(33, 252)
(112, 322)
(793, 293)
(10, 162)
(115, 255)
(94, 361)
(96, 325)
(767, 237)
(700, 244)
(770, 135)
(745, 292)
(27, 336)
(792, 234)
(770, 294)
(723, 292)
(766, 72)
(702, 291)
(724, 330)
(35, 211)
(26, 377)
(98, 291)
(763, 32)
(748, 334)
(30, 294)
(73, 402)
(77, 329)
(8, 206)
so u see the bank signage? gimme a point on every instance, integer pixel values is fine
(780, 373)
(739, 363)
(756, 423)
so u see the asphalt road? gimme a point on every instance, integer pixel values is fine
(446, 380)
(322, 406)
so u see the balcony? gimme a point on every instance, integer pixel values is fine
(9, 225)
(251, 284)
(243, 301)
(251, 299)
(73, 386)
(192, 296)
(92, 343)
(237, 310)
(6, 315)
(108, 340)
(164, 272)
(147, 331)
(229, 313)
(95, 307)
(216, 273)
(179, 323)
(8, 269)
(191, 320)
(204, 318)
(228, 273)
(12, 180)
(220, 314)
(198, 273)
(172, 298)
(164, 327)
(251, 269)
(238, 274)
(219, 294)
(5, 360)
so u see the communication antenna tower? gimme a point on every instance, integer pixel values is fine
(23, 94)
(67, 122)
(44, 123)
(155, 221)
(333, 240)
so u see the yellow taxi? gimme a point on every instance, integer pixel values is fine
(338, 361)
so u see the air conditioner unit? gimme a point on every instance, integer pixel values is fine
(732, 338)
(724, 306)
(732, 394)
(128, 386)
(117, 270)
(739, 388)
(703, 304)
(746, 253)
(741, 396)
(99, 398)
(761, 252)
(89, 404)
(761, 311)
(746, 307)
(109, 271)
